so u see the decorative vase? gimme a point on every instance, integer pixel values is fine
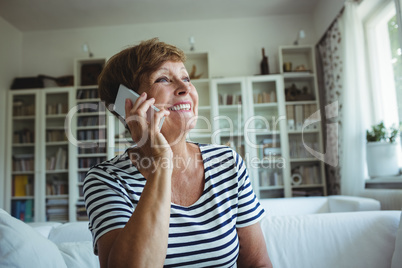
(264, 63)
(382, 159)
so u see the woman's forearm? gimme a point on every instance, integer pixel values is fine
(143, 241)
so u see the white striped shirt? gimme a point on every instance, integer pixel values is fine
(200, 235)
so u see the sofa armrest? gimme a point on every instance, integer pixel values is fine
(332, 240)
(338, 203)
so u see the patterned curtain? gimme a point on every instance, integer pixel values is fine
(329, 69)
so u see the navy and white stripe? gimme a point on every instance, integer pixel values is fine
(202, 234)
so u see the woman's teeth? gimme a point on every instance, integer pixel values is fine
(180, 107)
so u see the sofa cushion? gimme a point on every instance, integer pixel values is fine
(348, 239)
(70, 232)
(79, 254)
(295, 205)
(397, 257)
(21, 246)
(339, 203)
(44, 228)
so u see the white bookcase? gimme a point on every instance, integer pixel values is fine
(250, 119)
(297, 65)
(37, 166)
(267, 135)
(93, 128)
(202, 82)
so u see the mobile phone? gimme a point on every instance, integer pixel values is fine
(120, 103)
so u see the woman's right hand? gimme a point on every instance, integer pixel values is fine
(150, 141)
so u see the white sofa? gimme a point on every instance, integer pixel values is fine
(318, 204)
(304, 238)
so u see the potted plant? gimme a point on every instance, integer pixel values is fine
(382, 150)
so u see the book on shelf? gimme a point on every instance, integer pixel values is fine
(56, 186)
(81, 211)
(270, 147)
(307, 192)
(23, 162)
(21, 108)
(311, 116)
(22, 186)
(297, 148)
(269, 178)
(302, 116)
(265, 97)
(310, 174)
(299, 117)
(290, 117)
(57, 210)
(87, 94)
(57, 108)
(58, 161)
(229, 99)
(23, 136)
(53, 135)
(56, 202)
(23, 210)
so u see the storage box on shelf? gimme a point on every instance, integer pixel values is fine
(37, 173)
(297, 65)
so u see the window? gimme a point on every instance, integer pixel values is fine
(385, 64)
(396, 60)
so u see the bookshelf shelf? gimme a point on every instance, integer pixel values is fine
(24, 117)
(56, 171)
(57, 196)
(304, 160)
(298, 75)
(230, 108)
(30, 197)
(91, 127)
(57, 143)
(23, 144)
(265, 105)
(92, 113)
(307, 186)
(56, 116)
(268, 188)
(300, 102)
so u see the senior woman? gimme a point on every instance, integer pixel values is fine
(166, 201)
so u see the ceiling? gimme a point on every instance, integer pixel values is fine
(38, 15)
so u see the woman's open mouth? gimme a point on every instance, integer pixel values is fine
(180, 107)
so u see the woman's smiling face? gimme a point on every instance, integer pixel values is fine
(172, 89)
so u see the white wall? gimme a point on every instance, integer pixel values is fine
(324, 14)
(10, 55)
(234, 45)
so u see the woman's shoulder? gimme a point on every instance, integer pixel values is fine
(214, 153)
(208, 150)
(119, 166)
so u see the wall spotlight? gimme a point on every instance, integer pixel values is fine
(85, 48)
(300, 35)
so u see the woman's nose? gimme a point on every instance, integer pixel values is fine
(182, 88)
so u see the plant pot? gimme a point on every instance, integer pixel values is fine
(382, 159)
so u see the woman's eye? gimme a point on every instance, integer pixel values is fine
(186, 79)
(162, 80)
